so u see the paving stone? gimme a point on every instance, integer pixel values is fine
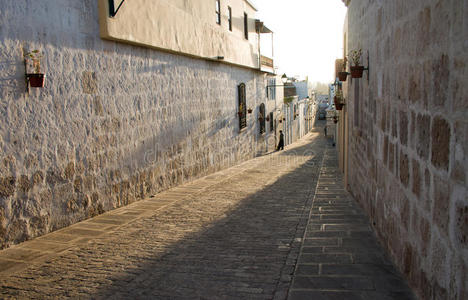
(330, 258)
(321, 282)
(326, 234)
(306, 249)
(356, 269)
(324, 295)
(350, 227)
(317, 242)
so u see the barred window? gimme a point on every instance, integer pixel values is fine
(261, 118)
(242, 106)
(230, 18)
(218, 12)
(271, 91)
(246, 26)
(272, 128)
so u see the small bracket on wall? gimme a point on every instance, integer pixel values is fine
(368, 67)
(26, 75)
(112, 4)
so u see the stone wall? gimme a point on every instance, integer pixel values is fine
(115, 123)
(408, 136)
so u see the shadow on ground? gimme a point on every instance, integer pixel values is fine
(242, 255)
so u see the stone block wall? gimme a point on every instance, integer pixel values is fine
(408, 136)
(114, 123)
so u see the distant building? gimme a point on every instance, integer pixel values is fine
(303, 89)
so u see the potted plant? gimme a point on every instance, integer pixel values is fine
(339, 100)
(267, 118)
(342, 75)
(249, 110)
(36, 79)
(356, 67)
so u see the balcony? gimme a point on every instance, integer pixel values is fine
(266, 62)
(265, 46)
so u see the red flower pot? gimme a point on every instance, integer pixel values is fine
(36, 79)
(339, 106)
(342, 76)
(356, 71)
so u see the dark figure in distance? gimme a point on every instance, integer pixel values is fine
(281, 141)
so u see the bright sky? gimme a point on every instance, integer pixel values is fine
(308, 35)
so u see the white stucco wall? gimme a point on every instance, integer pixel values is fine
(114, 122)
(187, 27)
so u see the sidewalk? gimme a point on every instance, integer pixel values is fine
(237, 234)
(340, 257)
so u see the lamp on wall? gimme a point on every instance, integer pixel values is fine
(284, 79)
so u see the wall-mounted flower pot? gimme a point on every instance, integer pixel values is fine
(36, 79)
(284, 119)
(356, 71)
(249, 110)
(339, 106)
(281, 121)
(342, 76)
(267, 119)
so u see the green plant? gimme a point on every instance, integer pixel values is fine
(288, 100)
(355, 57)
(339, 94)
(35, 56)
(345, 61)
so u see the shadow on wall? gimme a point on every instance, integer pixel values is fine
(83, 163)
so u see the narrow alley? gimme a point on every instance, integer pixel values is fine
(275, 227)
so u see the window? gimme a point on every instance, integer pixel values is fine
(246, 26)
(218, 12)
(230, 18)
(242, 106)
(271, 90)
(271, 122)
(261, 118)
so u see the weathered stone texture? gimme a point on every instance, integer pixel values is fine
(461, 218)
(420, 79)
(416, 178)
(423, 125)
(440, 143)
(7, 186)
(114, 122)
(404, 169)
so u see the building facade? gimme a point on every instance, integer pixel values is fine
(137, 99)
(404, 136)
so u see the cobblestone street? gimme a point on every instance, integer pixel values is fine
(275, 227)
